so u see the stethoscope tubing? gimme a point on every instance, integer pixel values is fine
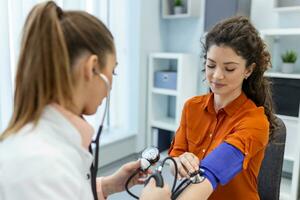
(94, 166)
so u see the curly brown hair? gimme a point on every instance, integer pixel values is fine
(239, 34)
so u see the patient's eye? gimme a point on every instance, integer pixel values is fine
(211, 66)
(230, 69)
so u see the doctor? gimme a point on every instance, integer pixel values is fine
(44, 150)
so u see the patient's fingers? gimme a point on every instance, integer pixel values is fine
(190, 162)
(186, 165)
(193, 160)
(181, 169)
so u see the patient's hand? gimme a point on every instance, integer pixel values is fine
(187, 163)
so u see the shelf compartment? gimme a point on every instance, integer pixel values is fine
(280, 31)
(162, 138)
(165, 64)
(286, 96)
(166, 123)
(288, 9)
(160, 67)
(163, 110)
(285, 188)
(288, 119)
(165, 104)
(287, 168)
(279, 42)
(164, 91)
(282, 75)
(286, 5)
(165, 79)
(191, 8)
(292, 138)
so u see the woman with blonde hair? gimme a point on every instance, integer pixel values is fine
(65, 70)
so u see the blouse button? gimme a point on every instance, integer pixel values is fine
(210, 135)
(203, 150)
(88, 176)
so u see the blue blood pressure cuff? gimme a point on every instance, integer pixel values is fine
(222, 164)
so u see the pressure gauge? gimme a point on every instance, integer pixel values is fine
(149, 157)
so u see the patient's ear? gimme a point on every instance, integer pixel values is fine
(249, 70)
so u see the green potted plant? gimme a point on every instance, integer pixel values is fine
(288, 58)
(178, 7)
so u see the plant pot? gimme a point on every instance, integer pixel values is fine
(287, 67)
(178, 10)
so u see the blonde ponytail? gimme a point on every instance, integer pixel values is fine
(43, 74)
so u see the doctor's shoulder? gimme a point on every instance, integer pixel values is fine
(35, 167)
(27, 152)
(22, 146)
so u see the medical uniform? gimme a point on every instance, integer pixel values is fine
(47, 161)
(241, 125)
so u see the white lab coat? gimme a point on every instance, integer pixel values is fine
(47, 162)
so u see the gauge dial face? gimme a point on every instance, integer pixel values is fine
(150, 153)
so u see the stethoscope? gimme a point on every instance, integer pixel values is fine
(95, 141)
(149, 157)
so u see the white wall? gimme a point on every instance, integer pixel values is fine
(5, 86)
(149, 40)
(264, 16)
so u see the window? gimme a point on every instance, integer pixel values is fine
(112, 12)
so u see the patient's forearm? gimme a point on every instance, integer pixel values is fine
(200, 191)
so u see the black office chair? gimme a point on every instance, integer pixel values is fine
(270, 172)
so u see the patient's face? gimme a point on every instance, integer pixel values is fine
(225, 70)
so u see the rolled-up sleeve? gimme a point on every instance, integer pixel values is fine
(250, 136)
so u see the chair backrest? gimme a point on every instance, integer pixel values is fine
(270, 172)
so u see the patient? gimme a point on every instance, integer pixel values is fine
(225, 132)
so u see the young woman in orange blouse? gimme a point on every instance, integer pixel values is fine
(225, 132)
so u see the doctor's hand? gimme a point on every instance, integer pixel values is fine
(116, 182)
(151, 192)
(187, 163)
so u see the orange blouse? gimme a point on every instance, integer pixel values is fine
(241, 123)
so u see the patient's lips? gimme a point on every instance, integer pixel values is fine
(217, 85)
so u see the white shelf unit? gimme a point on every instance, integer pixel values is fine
(282, 75)
(278, 41)
(287, 9)
(289, 189)
(165, 105)
(290, 186)
(287, 5)
(191, 8)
